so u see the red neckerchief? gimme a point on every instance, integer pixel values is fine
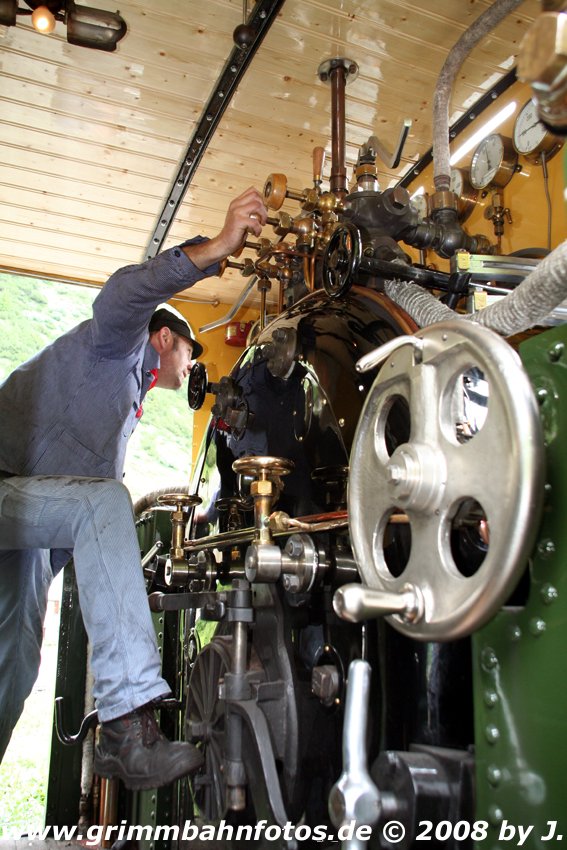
(140, 410)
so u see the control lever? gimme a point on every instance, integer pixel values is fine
(390, 160)
(88, 722)
(355, 797)
(318, 164)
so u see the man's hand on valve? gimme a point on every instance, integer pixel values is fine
(246, 214)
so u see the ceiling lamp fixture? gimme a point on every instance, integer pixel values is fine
(86, 27)
(43, 20)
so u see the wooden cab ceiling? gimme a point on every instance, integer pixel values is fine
(91, 142)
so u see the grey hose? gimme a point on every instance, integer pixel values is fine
(528, 305)
(441, 99)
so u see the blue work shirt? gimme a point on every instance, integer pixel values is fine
(71, 408)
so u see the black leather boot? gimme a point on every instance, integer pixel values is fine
(134, 749)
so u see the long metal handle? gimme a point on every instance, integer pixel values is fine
(234, 309)
(355, 797)
(391, 160)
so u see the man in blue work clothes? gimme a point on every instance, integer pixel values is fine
(65, 419)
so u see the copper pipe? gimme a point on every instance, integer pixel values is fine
(338, 180)
(108, 806)
(314, 522)
(309, 271)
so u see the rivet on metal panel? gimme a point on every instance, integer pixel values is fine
(546, 548)
(495, 815)
(494, 775)
(556, 352)
(515, 633)
(549, 593)
(488, 658)
(492, 734)
(541, 395)
(537, 626)
(490, 698)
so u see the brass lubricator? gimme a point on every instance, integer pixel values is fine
(176, 569)
(499, 215)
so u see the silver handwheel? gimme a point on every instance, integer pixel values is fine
(448, 454)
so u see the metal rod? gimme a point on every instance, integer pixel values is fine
(338, 181)
(312, 523)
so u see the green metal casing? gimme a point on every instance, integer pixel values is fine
(520, 657)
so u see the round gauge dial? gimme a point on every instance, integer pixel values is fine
(532, 138)
(493, 162)
(466, 194)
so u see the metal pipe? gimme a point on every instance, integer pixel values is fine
(338, 180)
(441, 99)
(313, 523)
(108, 807)
(234, 309)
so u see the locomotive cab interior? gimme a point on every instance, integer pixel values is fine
(359, 594)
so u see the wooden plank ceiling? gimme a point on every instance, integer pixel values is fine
(90, 142)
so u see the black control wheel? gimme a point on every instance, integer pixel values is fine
(197, 386)
(205, 724)
(341, 260)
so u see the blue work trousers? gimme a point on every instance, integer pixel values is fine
(93, 517)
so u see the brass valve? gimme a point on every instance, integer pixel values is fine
(499, 215)
(265, 489)
(276, 191)
(246, 268)
(181, 502)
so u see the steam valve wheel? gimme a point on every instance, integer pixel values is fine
(197, 386)
(179, 501)
(341, 260)
(467, 469)
(263, 467)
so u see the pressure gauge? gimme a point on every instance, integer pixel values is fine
(532, 138)
(466, 194)
(493, 162)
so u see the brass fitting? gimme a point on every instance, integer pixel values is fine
(444, 200)
(263, 487)
(542, 62)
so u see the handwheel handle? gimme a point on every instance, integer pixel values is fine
(374, 358)
(357, 602)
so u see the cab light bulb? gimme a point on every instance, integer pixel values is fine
(43, 20)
